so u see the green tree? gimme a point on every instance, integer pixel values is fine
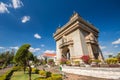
(6, 58)
(118, 56)
(36, 61)
(23, 56)
(110, 56)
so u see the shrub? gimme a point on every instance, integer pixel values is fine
(51, 77)
(111, 60)
(42, 73)
(33, 70)
(63, 61)
(51, 62)
(85, 59)
(36, 71)
(48, 74)
(45, 73)
(43, 62)
(68, 62)
(7, 75)
(118, 59)
(56, 77)
(96, 61)
(77, 63)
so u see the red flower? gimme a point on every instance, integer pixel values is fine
(63, 60)
(85, 58)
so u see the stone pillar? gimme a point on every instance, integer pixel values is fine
(59, 55)
(90, 50)
(71, 50)
(100, 57)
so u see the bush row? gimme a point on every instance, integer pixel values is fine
(8, 74)
(46, 75)
(52, 77)
(112, 61)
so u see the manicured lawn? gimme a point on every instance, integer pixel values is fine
(19, 75)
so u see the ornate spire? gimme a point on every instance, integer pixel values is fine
(75, 14)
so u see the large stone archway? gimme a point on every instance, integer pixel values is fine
(66, 53)
(77, 38)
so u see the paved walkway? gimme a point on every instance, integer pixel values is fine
(70, 76)
(108, 73)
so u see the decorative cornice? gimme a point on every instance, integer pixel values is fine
(75, 22)
(66, 31)
(66, 44)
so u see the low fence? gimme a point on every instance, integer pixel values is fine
(108, 73)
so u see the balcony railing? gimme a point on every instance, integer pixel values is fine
(66, 44)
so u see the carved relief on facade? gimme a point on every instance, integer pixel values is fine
(92, 41)
(64, 39)
(91, 38)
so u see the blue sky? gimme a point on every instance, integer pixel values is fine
(35, 21)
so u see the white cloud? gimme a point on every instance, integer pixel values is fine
(4, 8)
(37, 36)
(17, 4)
(116, 42)
(34, 49)
(42, 45)
(25, 19)
(50, 51)
(103, 47)
(2, 48)
(16, 47)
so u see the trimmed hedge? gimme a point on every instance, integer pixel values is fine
(68, 63)
(112, 60)
(45, 74)
(34, 70)
(8, 74)
(53, 77)
(56, 77)
(76, 63)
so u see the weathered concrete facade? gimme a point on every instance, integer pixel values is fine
(77, 38)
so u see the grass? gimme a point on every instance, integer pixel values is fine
(19, 75)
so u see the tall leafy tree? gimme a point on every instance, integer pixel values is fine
(36, 60)
(118, 56)
(6, 58)
(23, 56)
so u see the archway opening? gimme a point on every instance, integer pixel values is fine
(66, 53)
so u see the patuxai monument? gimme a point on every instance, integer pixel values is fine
(77, 38)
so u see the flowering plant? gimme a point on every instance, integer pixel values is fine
(50, 61)
(63, 60)
(85, 59)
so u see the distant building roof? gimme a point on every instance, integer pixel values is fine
(49, 54)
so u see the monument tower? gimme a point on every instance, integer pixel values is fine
(77, 38)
